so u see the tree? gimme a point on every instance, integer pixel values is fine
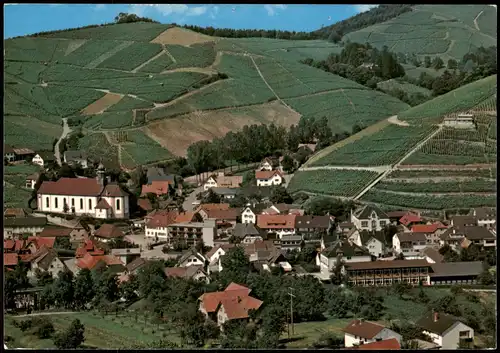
(151, 278)
(437, 63)
(422, 297)
(452, 64)
(193, 329)
(14, 281)
(84, 288)
(129, 288)
(106, 286)
(43, 328)
(427, 62)
(43, 278)
(401, 289)
(63, 243)
(66, 171)
(210, 197)
(338, 303)
(72, 337)
(334, 37)
(63, 289)
(486, 278)
(249, 178)
(235, 266)
(280, 195)
(288, 164)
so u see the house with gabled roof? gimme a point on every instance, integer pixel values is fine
(92, 262)
(409, 244)
(431, 231)
(76, 157)
(221, 180)
(14, 213)
(431, 255)
(45, 259)
(464, 236)
(360, 332)
(248, 233)
(43, 158)
(370, 218)
(410, 219)
(194, 272)
(266, 165)
(278, 224)
(269, 178)
(88, 247)
(485, 216)
(345, 250)
(83, 196)
(462, 272)
(445, 330)
(311, 225)
(234, 303)
(192, 257)
(16, 227)
(250, 212)
(8, 153)
(31, 180)
(214, 256)
(157, 187)
(382, 345)
(108, 232)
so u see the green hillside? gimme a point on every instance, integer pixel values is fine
(121, 84)
(434, 30)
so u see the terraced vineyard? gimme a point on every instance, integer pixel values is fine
(431, 202)
(338, 182)
(434, 30)
(382, 148)
(457, 100)
(426, 173)
(131, 57)
(15, 192)
(348, 107)
(98, 148)
(477, 185)
(403, 86)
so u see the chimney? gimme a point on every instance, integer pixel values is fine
(435, 316)
(239, 299)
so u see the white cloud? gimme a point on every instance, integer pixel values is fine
(99, 7)
(271, 9)
(169, 9)
(214, 12)
(364, 8)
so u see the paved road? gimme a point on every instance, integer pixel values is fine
(188, 202)
(66, 131)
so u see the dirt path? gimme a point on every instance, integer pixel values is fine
(268, 85)
(148, 61)
(379, 169)
(394, 120)
(66, 131)
(169, 55)
(201, 70)
(372, 184)
(475, 20)
(48, 313)
(452, 44)
(217, 60)
(119, 147)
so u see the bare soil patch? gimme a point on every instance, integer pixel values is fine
(394, 120)
(102, 104)
(181, 36)
(178, 133)
(74, 45)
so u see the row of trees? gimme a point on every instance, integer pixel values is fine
(253, 33)
(255, 142)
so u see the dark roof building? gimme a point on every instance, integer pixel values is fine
(344, 249)
(437, 323)
(241, 230)
(316, 223)
(366, 211)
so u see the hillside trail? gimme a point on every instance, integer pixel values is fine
(148, 61)
(267, 84)
(394, 120)
(119, 147)
(378, 169)
(65, 132)
(48, 313)
(475, 20)
(395, 166)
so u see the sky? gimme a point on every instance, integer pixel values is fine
(23, 19)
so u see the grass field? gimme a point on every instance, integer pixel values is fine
(15, 192)
(346, 183)
(29, 132)
(98, 148)
(140, 149)
(108, 332)
(109, 120)
(381, 148)
(434, 30)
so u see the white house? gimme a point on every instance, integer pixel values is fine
(347, 251)
(460, 121)
(222, 181)
(31, 180)
(19, 226)
(214, 255)
(42, 158)
(83, 196)
(46, 259)
(485, 216)
(278, 224)
(359, 332)
(76, 157)
(375, 247)
(191, 258)
(268, 178)
(410, 244)
(373, 241)
(192, 232)
(446, 330)
(250, 212)
(266, 164)
(369, 218)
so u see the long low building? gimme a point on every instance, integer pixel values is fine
(16, 227)
(385, 273)
(455, 272)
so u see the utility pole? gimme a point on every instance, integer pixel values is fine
(291, 307)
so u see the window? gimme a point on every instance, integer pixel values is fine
(72, 202)
(464, 334)
(383, 223)
(364, 224)
(374, 224)
(56, 203)
(118, 205)
(81, 204)
(90, 204)
(47, 202)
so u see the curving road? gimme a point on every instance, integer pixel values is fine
(66, 131)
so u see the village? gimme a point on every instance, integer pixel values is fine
(96, 224)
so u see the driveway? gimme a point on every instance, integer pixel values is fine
(66, 131)
(188, 202)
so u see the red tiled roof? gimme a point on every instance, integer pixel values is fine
(145, 204)
(55, 232)
(212, 207)
(16, 212)
(23, 151)
(89, 261)
(175, 271)
(237, 307)
(108, 231)
(88, 247)
(409, 218)
(229, 214)
(184, 217)
(157, 187)
(43, 241)
(19, 245)
(270, 211)
(363, 329)
(427, 228)
(113, 190)
(8, 149)
(390, 344)
(267, 174)
(162, 219)
(71, 186)
(9, 244)
(212, 300)
(103, 205)
(276, 221)
(10, 259)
